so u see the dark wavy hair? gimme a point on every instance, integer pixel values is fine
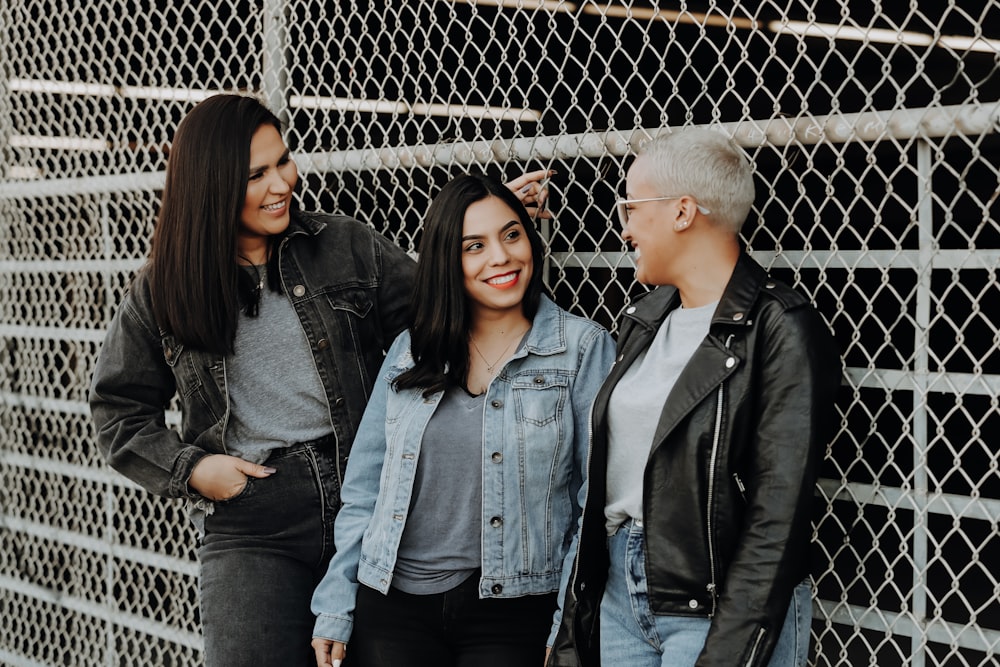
(196, 286)
(440, 314)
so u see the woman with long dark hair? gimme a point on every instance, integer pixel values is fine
(269, 325)
(462, 495)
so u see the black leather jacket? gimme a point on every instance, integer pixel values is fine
(728, 486)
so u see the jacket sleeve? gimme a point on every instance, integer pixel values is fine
(595, 362)
(800, 371)
(129, 392)
(334, 599)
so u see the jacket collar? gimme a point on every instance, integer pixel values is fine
(546, 336)
(548, 330)
(734, 307)
(305, 222)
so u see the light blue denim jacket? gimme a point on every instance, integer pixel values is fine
(535, 440)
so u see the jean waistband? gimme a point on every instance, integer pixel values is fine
(323, 444)
(629, 525)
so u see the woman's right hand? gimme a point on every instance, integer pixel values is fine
(328, 652)
(221, 477)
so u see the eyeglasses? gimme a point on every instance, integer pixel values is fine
(621, 205)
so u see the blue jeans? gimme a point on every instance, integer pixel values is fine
(263, 553)
(632, 635)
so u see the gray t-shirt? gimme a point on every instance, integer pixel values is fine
(635, 405)
(276, 397)
(441, 542)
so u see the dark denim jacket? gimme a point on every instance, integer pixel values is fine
(350, 288)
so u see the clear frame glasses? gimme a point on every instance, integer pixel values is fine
(621, 206)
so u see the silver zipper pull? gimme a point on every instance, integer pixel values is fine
(739, 485)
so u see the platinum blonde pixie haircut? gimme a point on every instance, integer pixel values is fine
(706, 165)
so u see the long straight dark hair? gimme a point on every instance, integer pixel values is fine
(194, 280)
(440, 315)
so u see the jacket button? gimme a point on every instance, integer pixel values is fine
(340, 401)
(299, 290)
(539, 379)
(737, 317)
(323, 344)
(496, 457)
(497, 589)
(730, 362)
(769, 285)
(630, 310)
(496, 522)
(496, 403)
(693, 604)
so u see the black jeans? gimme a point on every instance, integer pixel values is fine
(452, 629)
(263, 553)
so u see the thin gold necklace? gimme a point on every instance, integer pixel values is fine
(489, 366)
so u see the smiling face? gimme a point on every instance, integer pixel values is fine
(270, 185)
(496, 256)
(650, 229)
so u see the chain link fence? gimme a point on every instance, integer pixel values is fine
(873, 127)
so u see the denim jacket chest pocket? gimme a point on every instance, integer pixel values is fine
(351, 319)
(354, 300)
(540, 396)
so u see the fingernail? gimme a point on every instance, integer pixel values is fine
(270, 470)
(525, 188)
(336, 663)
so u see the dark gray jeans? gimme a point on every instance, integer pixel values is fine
(263, 553)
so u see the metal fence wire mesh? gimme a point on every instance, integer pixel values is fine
(873, 127)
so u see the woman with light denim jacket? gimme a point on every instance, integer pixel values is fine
(462, 494)
(268, 325)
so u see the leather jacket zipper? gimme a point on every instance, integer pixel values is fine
(740, 486)
(756, 645)
(586, 496)
(712, 465)
(711, 496)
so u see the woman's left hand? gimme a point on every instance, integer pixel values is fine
(328, 652)
(532, 189)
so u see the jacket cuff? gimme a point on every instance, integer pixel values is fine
(332, 627)
(550, 642)
(181, 475)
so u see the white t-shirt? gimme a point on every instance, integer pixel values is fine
(636, 403)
